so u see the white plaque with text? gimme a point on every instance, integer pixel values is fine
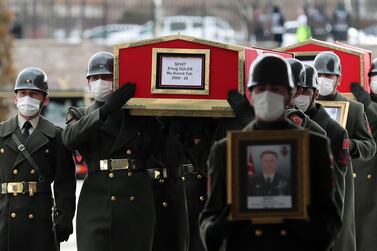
(182, 72)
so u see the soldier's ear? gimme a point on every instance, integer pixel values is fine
(45, 101)
(339, 79)
(251, 99)
(316, 94)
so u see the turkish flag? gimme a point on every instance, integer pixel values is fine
(250, 166)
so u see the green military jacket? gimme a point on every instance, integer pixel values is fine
(25, 219)
(116, 209)
(365, 191)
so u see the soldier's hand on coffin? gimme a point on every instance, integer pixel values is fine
(240, 105)
(360, 94)
(62, 233)
(117, 99)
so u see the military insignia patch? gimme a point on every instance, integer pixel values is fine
(295, 118)
(346, 144)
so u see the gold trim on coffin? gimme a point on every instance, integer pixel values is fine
(205, 52)
(179, 107)
(332, 46)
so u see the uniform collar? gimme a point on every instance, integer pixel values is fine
(21, 121)
(336, 97)
(265, 176)
(11, 125)
(312, 111)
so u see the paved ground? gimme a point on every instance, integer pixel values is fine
(70, 245)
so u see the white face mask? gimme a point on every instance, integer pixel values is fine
(373, 84)
(101, 89)
(326, 86)
(268, 106)
(303, 102)
(28, 106)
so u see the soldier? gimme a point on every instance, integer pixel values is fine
(32, 157)
(338, 136)
(293, 113)
(361, 144)
(365, 181)
(195, 134)
(269, 182)
(271, 93)
(123, 201)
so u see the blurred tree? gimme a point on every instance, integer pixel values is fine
(246, 12)
(7, 72)
(194, 10)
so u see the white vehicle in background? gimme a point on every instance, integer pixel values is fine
(113, 33)
(131, 32)
(208, 27)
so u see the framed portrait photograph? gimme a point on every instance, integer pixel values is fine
(338, 110)
(180, 71)
(268, 175)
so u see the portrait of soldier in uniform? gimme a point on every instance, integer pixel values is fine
(334, 113)
(269, 184)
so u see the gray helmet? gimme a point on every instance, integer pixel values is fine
(298, 71)
(270, 69)
(31, 78)
(328, 62)
(373, 69)
(311, 77)
(101, 63)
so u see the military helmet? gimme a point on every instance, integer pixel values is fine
(101, 63)
(270, 69)
(311, 77)
(328, 62)
(298, 72)
(31, 78)
(373, 69)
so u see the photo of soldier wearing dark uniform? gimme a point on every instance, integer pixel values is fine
(270, 182)
(334, 113)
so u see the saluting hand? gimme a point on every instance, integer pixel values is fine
(240, 105)
(117, 99)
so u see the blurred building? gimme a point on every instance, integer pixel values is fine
(49, 18)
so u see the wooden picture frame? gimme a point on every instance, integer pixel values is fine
(338, 110)
(250, 194)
